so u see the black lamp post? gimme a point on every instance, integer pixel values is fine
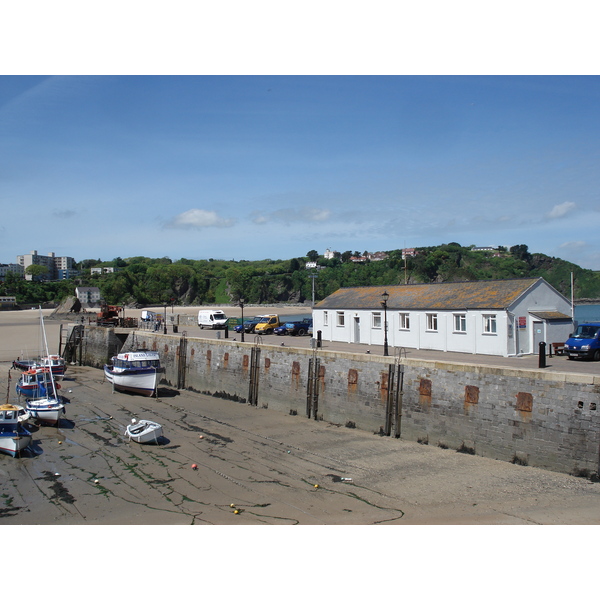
(385, 297)
(165, 323)
(242, 307)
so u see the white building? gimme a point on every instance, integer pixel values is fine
(50, 261)
(11, 268)
(89, 295)
(505, 318)
(103, 270)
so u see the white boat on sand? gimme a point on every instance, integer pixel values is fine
(135, 372)
(13, 436)
(144, 431)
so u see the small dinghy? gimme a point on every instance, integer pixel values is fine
(144, 432)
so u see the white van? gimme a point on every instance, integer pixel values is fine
(148, 315)
(213, 319)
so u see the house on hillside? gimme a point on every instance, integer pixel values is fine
(504, 318)
(88, 296)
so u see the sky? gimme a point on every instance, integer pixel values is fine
(269, 166)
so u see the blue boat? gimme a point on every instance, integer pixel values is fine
(13, 436)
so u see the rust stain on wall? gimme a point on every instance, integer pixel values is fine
(166, 349)
(471, 394)
(296, 374)
(352, 377)
(225, 360)
(524, 401)
(208, 357)
(425, 392)
(384, 384)
(267, 363)
(245, 362)
(322, 377)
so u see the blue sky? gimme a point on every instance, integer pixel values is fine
(253, 167)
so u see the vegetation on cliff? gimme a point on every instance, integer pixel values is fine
(158, 281)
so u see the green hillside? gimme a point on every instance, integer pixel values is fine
(151, 281)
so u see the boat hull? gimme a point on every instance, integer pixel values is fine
(133, 381)
(13, 436)
(46, 411)
(13, 443)
(144, 432)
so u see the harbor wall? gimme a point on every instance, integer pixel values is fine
(536, 418)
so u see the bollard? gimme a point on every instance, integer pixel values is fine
(226, 333)
(218, 335)
(319, 338)
(542, 355)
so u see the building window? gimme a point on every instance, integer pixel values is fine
(432, 324)
(460, 323)
(340, 318)
(489, 323)
(404, 321)
(376, 320)
(325, 318)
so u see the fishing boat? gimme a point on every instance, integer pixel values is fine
(54, 362)
(14, 437)
(143, 431)
(46, 410)
(135, 372)
(36, 383)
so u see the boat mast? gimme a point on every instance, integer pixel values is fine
(48, 354)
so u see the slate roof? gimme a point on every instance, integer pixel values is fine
(550, 315)
(462, 295)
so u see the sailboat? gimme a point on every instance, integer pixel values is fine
(46, 407)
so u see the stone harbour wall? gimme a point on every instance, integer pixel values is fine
(536, 418)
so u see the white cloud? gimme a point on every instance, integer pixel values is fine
(294, 215)
(196, 218)
(560, 210)
(573, 245)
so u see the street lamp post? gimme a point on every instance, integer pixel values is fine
(242, 307)
(385, 297)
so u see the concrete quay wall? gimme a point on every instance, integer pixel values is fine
(536, 418)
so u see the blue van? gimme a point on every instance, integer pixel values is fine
(584, 342)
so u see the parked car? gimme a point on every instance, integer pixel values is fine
(267, 324)
(300, 327)
(281, 330)
(248, 325)
(584, 342)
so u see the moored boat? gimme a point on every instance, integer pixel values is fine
(54, 362)
(135, 372)
(144, 431)
(14, 437)
(36, 383)
(46, 410)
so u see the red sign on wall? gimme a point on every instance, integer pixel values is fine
(522, 322)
